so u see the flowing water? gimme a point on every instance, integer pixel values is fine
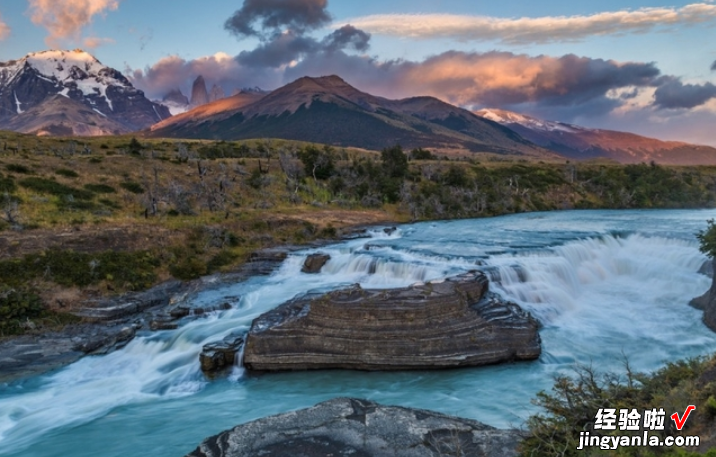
(605, 284)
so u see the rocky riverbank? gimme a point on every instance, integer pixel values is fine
(443, 324)
(707, 301)
(361, 428)
(113, 323)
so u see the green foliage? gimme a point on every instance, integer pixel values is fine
(188, 268)
(395, 162)
(222, 259)
(318, 163)
(132, 187)
(421, 154)
(256, 179)
(707, 239)
(17, 168)
(100, 188)
(130, 270)
(16, 307)
(48, 186)
(571, 406)
(67, 173)
(7, 184)
(134, 147)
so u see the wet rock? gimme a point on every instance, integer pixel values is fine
(447, 324)
(133, 303)
(315, 262)
(163, 324)
(30, 355)
(217, 356)
(707, 302)
(390, 230)
(361, 428)
(707, 269)
(179, 312)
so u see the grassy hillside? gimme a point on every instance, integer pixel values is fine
(88, 217)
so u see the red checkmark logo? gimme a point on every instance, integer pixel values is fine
(681, 421)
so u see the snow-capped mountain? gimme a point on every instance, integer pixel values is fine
(576, 142)
(40, 77)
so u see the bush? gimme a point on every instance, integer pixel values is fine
(16, 168)
(131, 270)
(188, 268)
(100, 188)
(421, 154)
(67, 173)
(132, 187)
(707, 239)
(48, 186)
(395, 162)
(7, 184)
(318, 163)
(16, 307)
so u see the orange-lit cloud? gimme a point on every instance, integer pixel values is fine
(64, 19)
(527, 30)
(4, 29)
(92, 42)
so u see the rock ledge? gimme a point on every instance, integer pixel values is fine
(453, 323)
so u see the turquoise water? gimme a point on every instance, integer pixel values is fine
(604, 284)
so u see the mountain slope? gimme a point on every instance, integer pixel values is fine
(329, 110)
(575, 142)
(77, 76)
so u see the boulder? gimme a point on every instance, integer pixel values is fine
(452, 323)
(361, 428)
(217, 356)
(315, 262)
(707, 303)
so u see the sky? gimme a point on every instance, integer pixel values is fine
(635, 65)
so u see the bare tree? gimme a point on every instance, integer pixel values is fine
(10, 211)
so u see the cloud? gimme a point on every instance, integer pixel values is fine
(95, 42)
(674, 94)
(347, 37)
(713, 66)
(495, 79)
(273, 16)
(65, 19)
(4, 29)
(520, 31)
(222, 69)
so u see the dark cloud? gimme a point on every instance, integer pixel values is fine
(673, 94)
(713, 66)
(265, 18)
(347, 37)
(282, 50)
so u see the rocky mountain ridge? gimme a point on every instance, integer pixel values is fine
(113, 105)
(576, 142)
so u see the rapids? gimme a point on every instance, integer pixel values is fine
(605, 284)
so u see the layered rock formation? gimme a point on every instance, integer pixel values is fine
(361, 428)
(217, 93)
(453, 323)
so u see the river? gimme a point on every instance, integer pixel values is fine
(605, 285)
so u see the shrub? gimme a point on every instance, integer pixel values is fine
(132, 187)
(707, 239)
(100, 188)
(16, 307)
(16, 168)
(421, 154)
(188, 268)
(221, 259)
(7, 184)
(48, 186)
(67, 173)
(318, 163)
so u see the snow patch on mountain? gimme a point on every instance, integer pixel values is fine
(509, 117)
(66, 69)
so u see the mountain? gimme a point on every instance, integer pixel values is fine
(329, 110)
(575, 142)
(29, 88)
(199, 94)
(175, 101)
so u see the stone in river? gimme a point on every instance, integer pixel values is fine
(447, 324)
